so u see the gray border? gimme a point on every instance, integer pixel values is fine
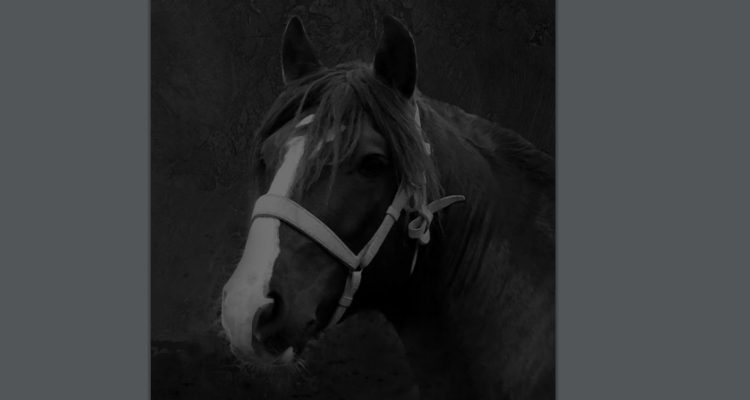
(74, 159)
(653, 195)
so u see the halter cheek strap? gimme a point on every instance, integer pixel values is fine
(284, 209)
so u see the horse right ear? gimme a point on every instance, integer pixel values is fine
(396, 58)
(298, 57)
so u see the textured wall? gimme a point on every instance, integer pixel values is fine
(215, 70)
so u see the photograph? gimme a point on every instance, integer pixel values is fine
(353, 199)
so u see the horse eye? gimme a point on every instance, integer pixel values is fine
(372, 166)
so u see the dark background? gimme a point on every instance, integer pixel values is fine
(215, 70)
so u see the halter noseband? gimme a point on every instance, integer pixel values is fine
(284, 209)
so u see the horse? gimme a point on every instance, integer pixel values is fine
(370, 195)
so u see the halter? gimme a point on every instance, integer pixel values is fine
(284, 209)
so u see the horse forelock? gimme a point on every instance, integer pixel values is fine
(344, 99)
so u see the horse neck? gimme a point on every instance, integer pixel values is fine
(486, 282)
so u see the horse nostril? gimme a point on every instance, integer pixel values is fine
(269, 330)
(262, 319)
(268, 317)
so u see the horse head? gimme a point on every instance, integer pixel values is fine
(338, 161)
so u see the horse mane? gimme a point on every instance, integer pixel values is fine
(347, 96)
(498, 160)
(494, 141)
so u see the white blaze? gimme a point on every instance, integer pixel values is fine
(247, 289)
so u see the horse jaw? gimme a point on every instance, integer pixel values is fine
(246, 292)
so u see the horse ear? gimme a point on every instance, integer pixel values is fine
(298, 57)
(396, 58)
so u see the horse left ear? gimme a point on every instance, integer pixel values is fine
(396, 58)
(298, 57)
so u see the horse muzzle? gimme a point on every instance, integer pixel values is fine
(264, 335)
